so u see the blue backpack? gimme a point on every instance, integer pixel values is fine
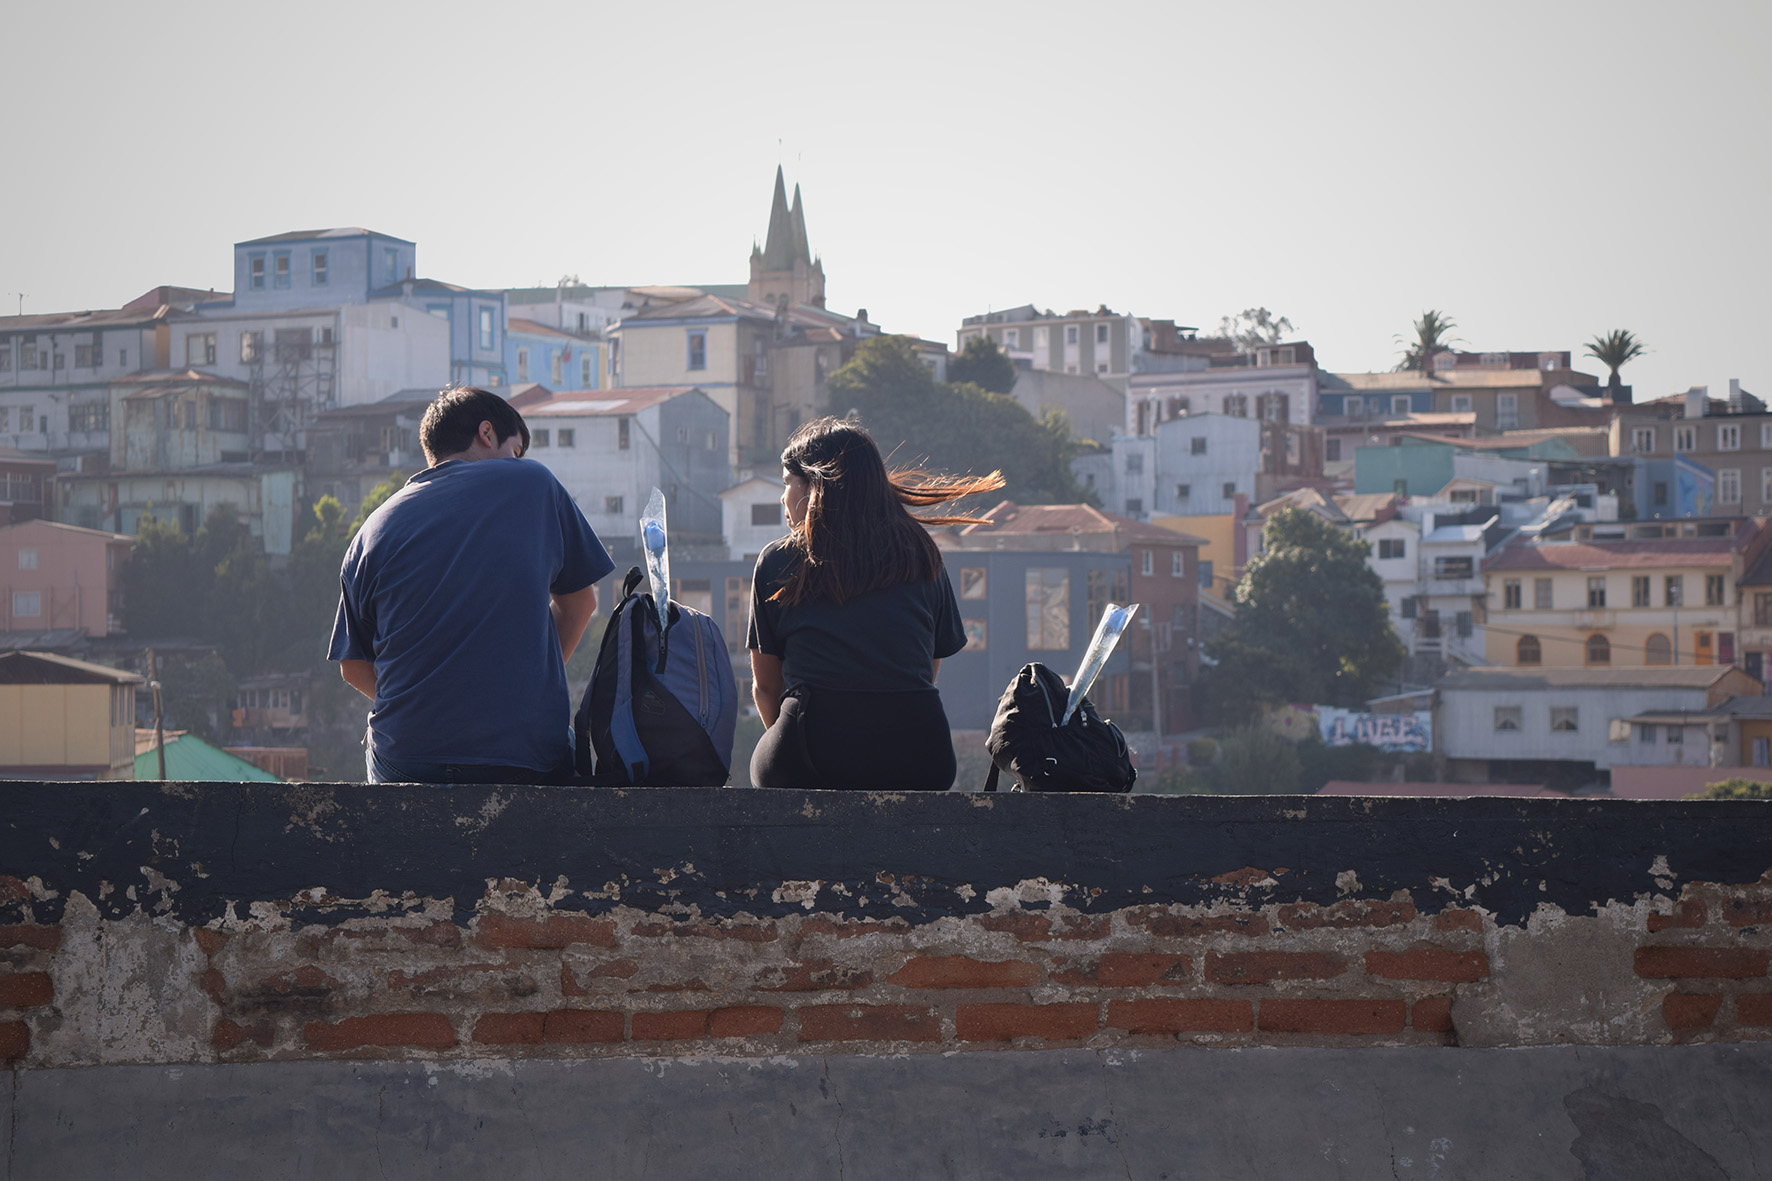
(660, 709)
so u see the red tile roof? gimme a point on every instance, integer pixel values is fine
(1617, 555)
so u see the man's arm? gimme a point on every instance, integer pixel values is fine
(359, 675)
(766, 685)
(572, 614)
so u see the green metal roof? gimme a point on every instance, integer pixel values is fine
(189, 759)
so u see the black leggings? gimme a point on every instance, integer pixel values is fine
(863, 741)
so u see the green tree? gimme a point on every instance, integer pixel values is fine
(953, 429)
(1615, 350)
(1254, 327)
(1735, 789)
(985, 365)
(1311, 624)
(1259, 761)
(1433, 334)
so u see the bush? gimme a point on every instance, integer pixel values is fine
(1202, 752)
(1258, 761)
(1735, 789)
(1321, 763)
(1180, 781)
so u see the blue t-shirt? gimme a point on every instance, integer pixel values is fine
(446, 590)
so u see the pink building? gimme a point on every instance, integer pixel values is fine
(61, 576)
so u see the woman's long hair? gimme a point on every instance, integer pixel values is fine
(857, 535)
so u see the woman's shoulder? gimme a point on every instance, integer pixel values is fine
(778, 559)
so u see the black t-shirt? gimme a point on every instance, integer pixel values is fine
(886, 641)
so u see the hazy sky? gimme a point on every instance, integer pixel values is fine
(1542, 171)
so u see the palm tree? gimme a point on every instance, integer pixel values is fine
(1613, 350)
(1433, 332)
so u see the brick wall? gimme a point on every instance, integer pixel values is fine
(224, 923)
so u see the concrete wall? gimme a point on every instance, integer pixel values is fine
(600, 982)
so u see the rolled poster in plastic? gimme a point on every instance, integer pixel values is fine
(658, 556)
(1107, 634)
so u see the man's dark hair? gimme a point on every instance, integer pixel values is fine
(453, 419)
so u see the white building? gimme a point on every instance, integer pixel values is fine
(1277, 383)
(751, 510)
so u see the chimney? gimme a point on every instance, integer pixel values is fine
(1697, 399)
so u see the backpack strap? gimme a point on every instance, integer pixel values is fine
(990, 781)
(622, 732)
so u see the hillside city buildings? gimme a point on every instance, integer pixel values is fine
(1581, 581)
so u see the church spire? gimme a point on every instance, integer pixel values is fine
(802, 252)
(779, 248)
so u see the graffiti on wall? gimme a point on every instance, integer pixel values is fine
(1391, 732)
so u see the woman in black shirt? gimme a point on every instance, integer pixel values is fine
(851, 615)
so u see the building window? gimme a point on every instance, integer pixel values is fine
(1642, 440)
(200, 348)
(1766, 435)
(1070, 334)
(1332, 450)
(976, 633)
(1176, 569)
(319, 265)
(1230, 489)
(621, 434)
(1104, 587)
(27, 559)
(5, 358)
(1508, 717)
(1639, 590)
(27, 604)
(1399, 404)
(1507, 411)
(251, 344)
(1528, 651)
(1461, 403)
(1510, 595)
(1729, 436)
(1685, 438)
(586, 371)
(1729, 486)
(486, 328)
(612, 506)
(1196, 446)
(1453, 567)
(89, 416)
(972, 582)
(280, 269)
(1135, 464)
(1145, 563)
(1101, 334)
(1135, 506)
(1596, 591)
(768, 513)
(1599, 649)
(27, 355)
(1766, 485)
(1674, 591)
(1392, 547)
(1407, 607)
(1012, 338)
(1763, 609)
(1048, 600)
(255, 272)
(1565, 719)
(1182, 492)
(567, 437)
(1676, 735)
(1236, 405)
(390, 265)
(1713, 590)
(522, 364)
(698, 349)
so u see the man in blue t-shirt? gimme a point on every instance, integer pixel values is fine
(461, 600)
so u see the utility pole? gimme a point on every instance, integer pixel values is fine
(159, 728)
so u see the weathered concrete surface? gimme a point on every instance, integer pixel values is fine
(1692, 1113)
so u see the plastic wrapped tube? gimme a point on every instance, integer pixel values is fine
(656, 543)
(1107, 634)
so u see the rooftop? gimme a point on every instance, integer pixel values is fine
(588, 403)
(1624, 553)
(317, 235)
(1647, 677)
(1008, 520)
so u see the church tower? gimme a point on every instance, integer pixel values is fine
(784, 268)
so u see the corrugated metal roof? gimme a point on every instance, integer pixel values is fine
(189, 759)
(48, 668)
(622, 400)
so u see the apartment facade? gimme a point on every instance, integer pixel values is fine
(1701, 457)
(1273, 383)
(1103, 343)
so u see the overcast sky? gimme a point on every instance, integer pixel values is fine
(1542, 172)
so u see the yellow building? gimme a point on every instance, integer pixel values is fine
(1620, 594)
(65, 719)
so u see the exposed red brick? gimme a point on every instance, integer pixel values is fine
(1122, 969)
(1746, 912)
(229, 1034)
(1459, 919)
(1355, 912)
(744, 1021)
(622, 969)
(22, 990)
(813, 976)
(13, 890)
(569, 985)
(693, 984)
(869, 1023)
(15, 1039)
(1162, 923)
(1019, 923)
(305, 981)
(1428, 963)
(843, 929)
(1247, 876)
(960, 971)
(560, 930)
(31, 935)
(1673, 963)
(1753, 1008)
(1690, 1010)
(1687, 912)
(437, 934)
(1264, 967)
(1005, 1023)
(488, 981)
(1312, 1015)
(1039, 928)
(675, 1026)
(214, 984)
(703, 929)
(581, 1026)
(1432, 1014)
(430, 1031)
(209, 941)
(1175, 1015)
(508, 1029)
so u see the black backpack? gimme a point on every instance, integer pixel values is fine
(1085, 754)
(660, 710)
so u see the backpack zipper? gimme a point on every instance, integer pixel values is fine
(1051, 714)
(701, 668)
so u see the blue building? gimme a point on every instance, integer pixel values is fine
(557, 359)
